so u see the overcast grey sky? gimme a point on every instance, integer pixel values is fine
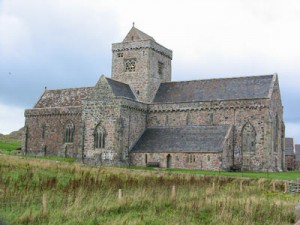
(67, 43)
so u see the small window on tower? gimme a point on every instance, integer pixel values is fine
(120, 54)
(160, 68)
(130, 65)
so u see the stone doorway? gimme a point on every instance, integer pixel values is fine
(169, 161)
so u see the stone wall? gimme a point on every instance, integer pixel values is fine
(101, 109)
(145, 79)
(277, 128)
(53, 121)
(237, 113)
(221, 160)
(204, 161)
(290, 162)
(133, 116)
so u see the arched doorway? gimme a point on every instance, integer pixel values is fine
(169, 161)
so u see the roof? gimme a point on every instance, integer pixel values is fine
(63, 97)
(297, 148)
(73, 96)
(289, 146)
(136, 35)
(182, 139)
(120, 89)
(215, 89)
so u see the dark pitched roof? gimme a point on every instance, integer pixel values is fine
(182, 139)
(215, 89)
(136, 35)
(297, 148)
(63, 97)
(120, 89)
(289, 146)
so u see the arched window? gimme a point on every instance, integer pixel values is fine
(69, 132)
(99, 137)
(248, 138)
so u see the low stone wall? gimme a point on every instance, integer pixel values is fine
(203, 161)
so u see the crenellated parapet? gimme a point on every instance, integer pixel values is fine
(210, 105)
(58, 111)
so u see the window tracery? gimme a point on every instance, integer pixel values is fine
(130, 65)
(69, 132)
(99, 137)
(248, 138)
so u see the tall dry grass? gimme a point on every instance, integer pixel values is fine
(78, 194)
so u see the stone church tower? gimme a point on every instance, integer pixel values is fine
(140, 117)
(142, 63)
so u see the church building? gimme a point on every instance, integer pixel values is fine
(141, 117)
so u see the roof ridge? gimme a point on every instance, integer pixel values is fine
(221, 78)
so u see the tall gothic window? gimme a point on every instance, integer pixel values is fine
(69, 132)
(99, 136)
(248, 138)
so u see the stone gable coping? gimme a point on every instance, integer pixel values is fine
(275, 77)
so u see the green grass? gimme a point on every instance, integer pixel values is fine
(291, 175)
(53, 158)
(79, 194)
(10, 145)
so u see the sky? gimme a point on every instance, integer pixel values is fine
(67, 43)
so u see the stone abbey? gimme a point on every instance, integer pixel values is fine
(140, 117)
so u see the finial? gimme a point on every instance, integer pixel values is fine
(133, 24)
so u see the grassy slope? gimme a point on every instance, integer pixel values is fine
(77, 194)
(291, 175)
(9, 145)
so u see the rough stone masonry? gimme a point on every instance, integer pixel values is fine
(139, 117)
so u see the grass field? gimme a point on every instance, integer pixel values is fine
(78, 194)
(10, 145)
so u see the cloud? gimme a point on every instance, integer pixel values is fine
(293, 130)
(61, 44)
(11, 118)
(52, 43)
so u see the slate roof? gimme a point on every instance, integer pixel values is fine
(297, 148)
(121, 89)
(73, 96)
(182, 139)
(215, 89)
(289, 146)
(63, 97)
